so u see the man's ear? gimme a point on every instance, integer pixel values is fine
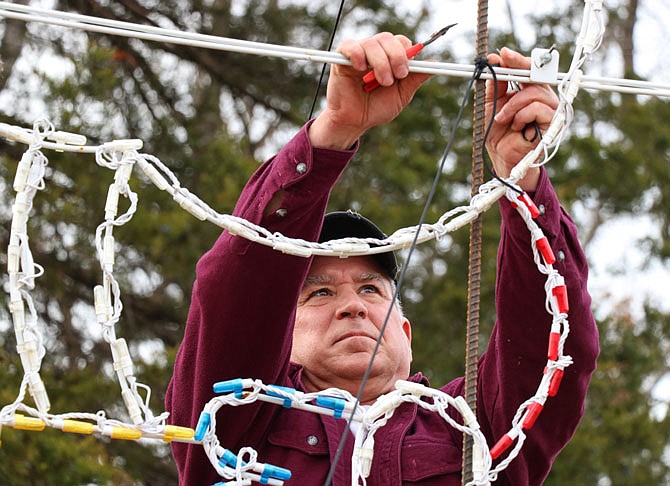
(407, 330)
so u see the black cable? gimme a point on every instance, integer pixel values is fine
(401, 278)
(481, 64)
(325, 65)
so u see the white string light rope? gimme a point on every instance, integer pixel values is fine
(173, 36)
(23, 271)
(122, 156)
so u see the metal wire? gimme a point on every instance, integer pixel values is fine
(475, 250)
(174, 36)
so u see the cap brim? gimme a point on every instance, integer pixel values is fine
(348, 224)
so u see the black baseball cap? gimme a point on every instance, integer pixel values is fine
(349, 224)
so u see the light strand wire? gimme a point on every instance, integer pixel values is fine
(401, 277)
(489, 193)
(173, 36)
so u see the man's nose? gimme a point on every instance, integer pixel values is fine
(351, 305)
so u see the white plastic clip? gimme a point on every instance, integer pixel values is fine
(121, 356)
(291, 249)
(38, 392)
(153, 174)
(365, 454)
(544, 65)
(17, 134)
(101, 304)
(127, 145)
(22, 171)
(411, 388)
(67, 138)
(469, 418)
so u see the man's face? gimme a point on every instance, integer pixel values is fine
(341, 310)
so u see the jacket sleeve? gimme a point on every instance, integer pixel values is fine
(240, 321)
(512, 367)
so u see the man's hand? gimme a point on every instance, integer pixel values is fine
(509, 138)
(350, 111)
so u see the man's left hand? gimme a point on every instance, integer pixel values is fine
(513, 135)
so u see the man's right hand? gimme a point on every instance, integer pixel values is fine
(350, 111)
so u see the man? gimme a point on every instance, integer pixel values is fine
(311, 324)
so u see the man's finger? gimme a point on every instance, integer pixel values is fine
(514, 60)
(520, 99)
(396, 54)
(378, 59)
(533, 112)
(354, 51)
(495, 60)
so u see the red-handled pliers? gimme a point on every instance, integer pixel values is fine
(369, 80)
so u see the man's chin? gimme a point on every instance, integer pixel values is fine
(353, 366)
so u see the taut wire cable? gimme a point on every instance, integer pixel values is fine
(174, 36)
(325, 64)
(21, 281)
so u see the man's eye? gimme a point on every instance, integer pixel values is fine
(369, 289)
(320, 293)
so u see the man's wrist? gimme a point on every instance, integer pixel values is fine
(530, 180)
(323, 133)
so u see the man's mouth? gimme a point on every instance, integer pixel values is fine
(355, 335)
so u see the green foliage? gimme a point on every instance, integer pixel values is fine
(624, 431)
(52, 457)
(211, 117)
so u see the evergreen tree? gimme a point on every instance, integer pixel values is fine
(212, 117)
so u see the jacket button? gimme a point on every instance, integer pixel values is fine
(301, 168)
(560, 255)
(281, 212)
(312, 440)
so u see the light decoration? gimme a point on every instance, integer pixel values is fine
(122, 157)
